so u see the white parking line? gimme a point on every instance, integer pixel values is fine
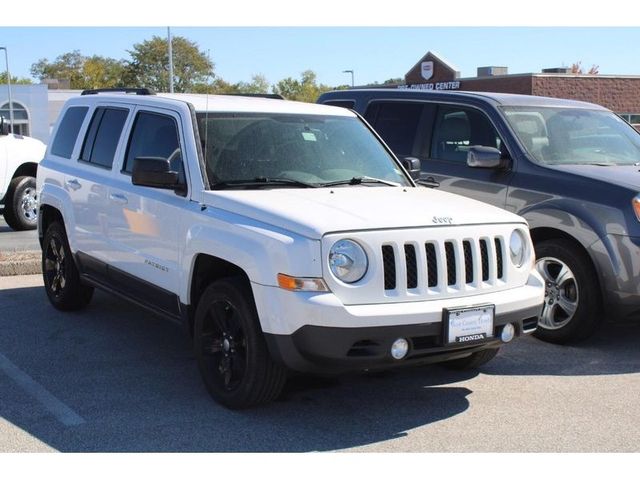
(58, 409)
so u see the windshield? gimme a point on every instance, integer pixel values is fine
(559, 136)
(258, 150)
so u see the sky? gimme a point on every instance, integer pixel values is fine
(373, 53)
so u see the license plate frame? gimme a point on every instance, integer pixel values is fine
(468, 325)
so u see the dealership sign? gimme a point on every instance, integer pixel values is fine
(433, 86)
(427, 70)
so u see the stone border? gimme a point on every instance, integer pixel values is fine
(20, 263)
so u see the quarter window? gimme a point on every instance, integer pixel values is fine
(68, 131)
(103, 136)
(155, 135)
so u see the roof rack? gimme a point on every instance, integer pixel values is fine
(274, 96)
(136, 91)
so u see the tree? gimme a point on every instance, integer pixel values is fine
(578, 70)
(305, 90)
(149, 65)
(82, 72)
(14, 80)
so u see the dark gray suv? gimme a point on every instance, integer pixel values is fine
(570, 168)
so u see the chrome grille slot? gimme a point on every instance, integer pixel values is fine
(500, 272)
(468, 262)
(389, 265)
(451, 263)
(484, 254)
(412, 266)
(432, 265)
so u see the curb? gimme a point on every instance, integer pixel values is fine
(20, 263)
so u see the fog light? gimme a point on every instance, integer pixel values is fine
(399, 348)
(508, 332)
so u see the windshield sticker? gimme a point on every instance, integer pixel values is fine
(309, 136)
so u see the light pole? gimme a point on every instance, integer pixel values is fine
(6, 59)
(170, 60)
(351, 72)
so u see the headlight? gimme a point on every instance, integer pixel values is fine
(517, 248)
(348, 261)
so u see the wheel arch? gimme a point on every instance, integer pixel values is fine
(206, 269)
(46, 216)
(27, 169)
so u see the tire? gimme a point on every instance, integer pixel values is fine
(61, 278)
(474, 360)
(572, 308)
(20, 207)
(230, 348)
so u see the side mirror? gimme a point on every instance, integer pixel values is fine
(155, 172)
(485, 157)
(4, 127)
(412, 165)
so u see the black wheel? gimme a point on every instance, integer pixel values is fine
(474, 360)
(232, 355)
(61, 278)
(21, 204)
(572, 306)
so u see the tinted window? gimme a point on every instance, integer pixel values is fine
(397, 123)
(457, 129)
(341, 103)
(103, 135)
(155, 135)
(68, 131)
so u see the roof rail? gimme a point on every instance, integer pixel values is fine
(274, 96)
(136, 91)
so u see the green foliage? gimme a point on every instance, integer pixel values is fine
(14, 80)
(304, 90)
(149, 65)
(82, 72)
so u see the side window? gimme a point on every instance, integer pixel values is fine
(341, 103)
(68, 131)
(397, 123)
(457, 129)
(155, 135)
(103, 136)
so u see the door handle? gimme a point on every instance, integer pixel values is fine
(118, 198)
(428, 182)
(73, 184)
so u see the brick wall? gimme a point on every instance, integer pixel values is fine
(622, 95)
(508, 84)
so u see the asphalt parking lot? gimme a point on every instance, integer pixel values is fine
(11, 241)
(116, 378)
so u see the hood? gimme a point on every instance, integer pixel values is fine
(23, 149)
(624, 175)
(312, 212)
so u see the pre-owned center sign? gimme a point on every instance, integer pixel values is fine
(454, 85)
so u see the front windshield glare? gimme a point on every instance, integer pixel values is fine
(558, 136)
(309, 149)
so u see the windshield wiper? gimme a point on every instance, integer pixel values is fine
(259, 182)
(360, 181)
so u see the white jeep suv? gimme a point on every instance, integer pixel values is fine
(19, 158)
(284, 236)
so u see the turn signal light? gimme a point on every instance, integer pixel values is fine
(297, 284)
(636, 206)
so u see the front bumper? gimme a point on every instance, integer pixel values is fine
(315, 332)
(333, 350)
(617, 258)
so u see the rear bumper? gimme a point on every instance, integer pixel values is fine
(333, 350)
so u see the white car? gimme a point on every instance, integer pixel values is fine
(19, 158)
(284, 236)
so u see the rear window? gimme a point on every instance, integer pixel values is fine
(68, 131)
(103, 135)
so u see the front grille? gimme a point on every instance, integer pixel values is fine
(476, 263)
